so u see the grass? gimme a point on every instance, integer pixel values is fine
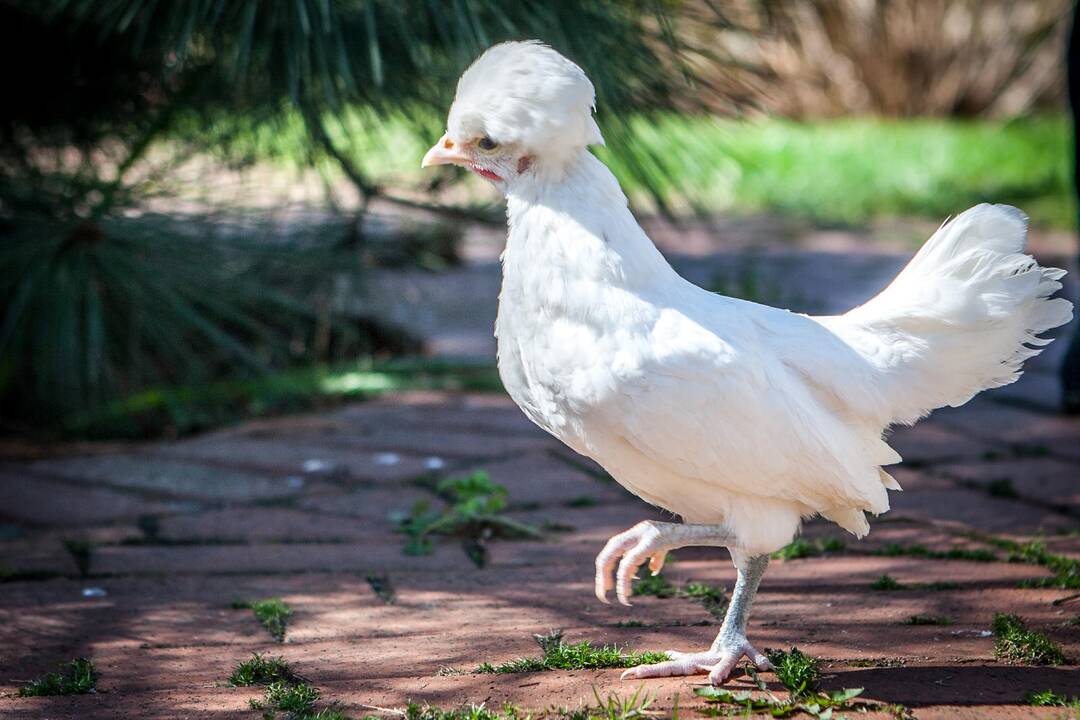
(286, 692)
(612, 707)
(1066, 570)
(77, 677)
(656, 585)
(799, 674)
(291, 697)
(261, 670)
(847, 171)
(557, 655)
(272, 613)
(474, 514)
(928, 620)
(1049, 698)
(1013, 642)
(712, 597)
(921, 551)
(797, 671)
(887, 582)
(831, 171)
(803, 548)
(184, 409)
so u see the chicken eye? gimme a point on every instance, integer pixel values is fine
(487, 143)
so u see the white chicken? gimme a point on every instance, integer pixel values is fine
(740, 418)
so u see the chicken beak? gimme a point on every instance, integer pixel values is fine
(444, 152)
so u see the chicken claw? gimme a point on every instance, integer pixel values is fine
(645, 541)
(718, 663)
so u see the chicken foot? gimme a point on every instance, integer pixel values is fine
(652, 541)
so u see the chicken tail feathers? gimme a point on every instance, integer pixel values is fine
(851, 519)
(962, 317)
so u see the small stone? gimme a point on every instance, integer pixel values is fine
(434, 463)
(315, 465)
(387, 458)
(92, 592)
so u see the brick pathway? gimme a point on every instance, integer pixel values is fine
(300, 507)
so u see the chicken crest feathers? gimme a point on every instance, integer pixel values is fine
(526, 93)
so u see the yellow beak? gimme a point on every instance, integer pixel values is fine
(444, 152)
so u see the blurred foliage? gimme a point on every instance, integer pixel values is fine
(831, 171)
(179, 64)
(852, 170)
(113, 96)
(182, 409)
(105, 309)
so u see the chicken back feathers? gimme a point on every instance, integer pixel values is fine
(727, 411)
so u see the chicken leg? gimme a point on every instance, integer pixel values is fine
(652, 541)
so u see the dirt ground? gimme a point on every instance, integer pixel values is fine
(301, 508)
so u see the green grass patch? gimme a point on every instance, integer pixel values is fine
(1066, 570)
(473, 513)
(921, 551)
(1049, 698)
(822, 170)
(797, 671)
(712, 597)
(296, 698)
(272, 613)
(582, 501)
(887, 582)
(185, 409)
(833, 171)
(77, 677)
(656, 585)
(803, 548)
(799, 674)
(557, 655)
(927, 620)
(1013, 642)
(260, 670)
(612, 707)
(286, 692)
